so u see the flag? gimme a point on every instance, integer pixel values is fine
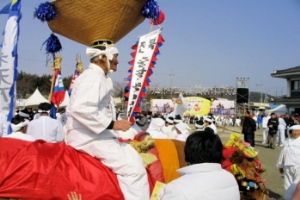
(78, 71)
(58, 93)
(76, 74)
(9, 60)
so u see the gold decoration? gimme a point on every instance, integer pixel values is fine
(79, 64)
(56, 65)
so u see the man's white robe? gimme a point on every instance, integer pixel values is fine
(20, 136)
(289, 160)
(90, 111)
(170, 131)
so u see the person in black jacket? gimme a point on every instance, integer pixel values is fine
(249, 127)
(273, 128)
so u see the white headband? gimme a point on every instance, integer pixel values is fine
(16, 127)
(47, 111)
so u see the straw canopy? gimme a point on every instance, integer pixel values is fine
(89, 21)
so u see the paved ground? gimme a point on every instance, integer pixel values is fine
(268, 158)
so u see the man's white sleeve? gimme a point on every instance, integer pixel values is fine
(88, 95)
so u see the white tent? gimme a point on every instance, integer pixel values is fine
(35, 99)
(281, 109)
(66, 100)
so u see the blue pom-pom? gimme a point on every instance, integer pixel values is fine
(151, 10)
(52, 45)
(45, 12)
(251, 184)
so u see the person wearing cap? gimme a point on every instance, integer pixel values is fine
(208, 122)
(92, 126)
(177, 119)
(273, 128)
(156, 128)
(182, 131)
(46, 128)
(203, 177)
(19, 126)
(289, 160)
(199, 125)
(169, 128)
(248, 129)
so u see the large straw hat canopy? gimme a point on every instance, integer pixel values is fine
(87, 21)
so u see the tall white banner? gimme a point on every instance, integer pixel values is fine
(145, 51)
(8, 60)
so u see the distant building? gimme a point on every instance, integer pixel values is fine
(292, 99)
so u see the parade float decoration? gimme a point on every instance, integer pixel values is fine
(78, 71)
(242, 161)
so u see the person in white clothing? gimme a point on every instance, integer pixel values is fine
(46, 128)
(92, 125)
(289, 158)
(169, 128)
(265, 128)
(209, 122)
(204, 177)
(156, 128)
(182, 131)
(19, 127)
(281, 131)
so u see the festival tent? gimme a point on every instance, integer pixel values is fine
(35, 99)
(66, 100)
(281, 109)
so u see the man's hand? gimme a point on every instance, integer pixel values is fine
(74, 196)
(121, 125)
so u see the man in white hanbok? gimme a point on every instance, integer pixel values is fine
(204, 177)
(156, 128)
(19, 127)
(289, 159)
(46, 128)
(92, 123)
(182, 131)
(169, 128)
(281, 131)
(265, 128)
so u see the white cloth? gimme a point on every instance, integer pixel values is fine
(265, 121)
(182, 136)
(129, 134)
(265, 134)
(17, 127)
(89, 114)
(289, 160)
(207, 181)
(157, 134)
(46, 128)
(2, 124)
(281, 131)
(213, 127)
(156, 128)
(36, 116)
(63, 119)
(20, 136)
(170, 131)
(290, 191)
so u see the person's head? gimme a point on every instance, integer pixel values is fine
(295, 131)
(143, 114)
(19, 124)
(44, 108)
(149, 113)
(105, 57)
(169, 121)
(266, 114)
(199, 124)
(273, 115)
(29, 109)
(208, 120)
(247, 114)
(203, 147)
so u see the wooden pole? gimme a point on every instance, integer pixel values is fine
(52, 86)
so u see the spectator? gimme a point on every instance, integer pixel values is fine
(249, 127)
(203, 153)
(281, 131)
(143, 121)
(273, 128)
(265, 120)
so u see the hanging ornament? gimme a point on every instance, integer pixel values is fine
(159, 20)
(45, 12)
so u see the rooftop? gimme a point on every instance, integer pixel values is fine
(286, 73)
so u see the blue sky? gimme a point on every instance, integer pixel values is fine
(208, 43)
